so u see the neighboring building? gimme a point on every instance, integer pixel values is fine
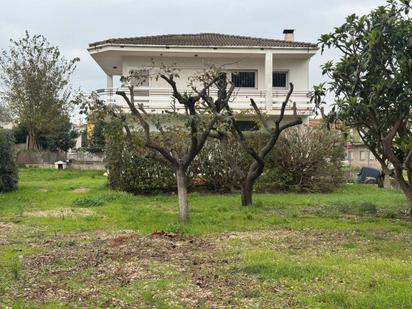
(260, 68)
(358, 155)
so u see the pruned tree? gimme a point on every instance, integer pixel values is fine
(258, 153)
(34, 81)
(372, 85)
(201, 114)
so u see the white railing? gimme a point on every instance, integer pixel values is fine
(156, 100)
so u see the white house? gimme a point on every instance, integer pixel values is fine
(260, 68)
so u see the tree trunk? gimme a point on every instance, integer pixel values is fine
(31, 143)
(246, 194)
(409, 201)
(407, 190)
(181, 179)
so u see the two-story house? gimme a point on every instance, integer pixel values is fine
(260, 68)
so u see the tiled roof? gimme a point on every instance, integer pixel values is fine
(205, 40)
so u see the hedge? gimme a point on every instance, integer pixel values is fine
(8, 165)
(304, 159)
(131, 167)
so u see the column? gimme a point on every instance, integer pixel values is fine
(268, 80)
(109, 87)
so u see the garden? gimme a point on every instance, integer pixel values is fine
(202, 206)
(67, 240)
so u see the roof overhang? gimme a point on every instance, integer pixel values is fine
(109, 56)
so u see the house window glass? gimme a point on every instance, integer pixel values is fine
(280, 79)
(371, 156)
(244, 79)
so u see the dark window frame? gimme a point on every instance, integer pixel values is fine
(235, 72)
(286, 79)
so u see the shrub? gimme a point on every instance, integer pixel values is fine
(215, 166)
(304, 160)
(222, 162)
(131, 167)
(8, 165)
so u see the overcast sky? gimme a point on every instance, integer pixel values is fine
(73, 24)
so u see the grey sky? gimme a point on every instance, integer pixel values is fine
(72, 24)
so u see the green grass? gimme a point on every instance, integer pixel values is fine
(347, 249)
(52, 190)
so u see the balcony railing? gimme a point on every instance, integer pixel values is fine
(156, 100)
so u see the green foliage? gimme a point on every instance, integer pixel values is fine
(35, 78)
(217, 164)
(62, 137)
(4, 113)
(96, 143)
(372, 80)
(8, 165)
(132, 169)
(304, 160)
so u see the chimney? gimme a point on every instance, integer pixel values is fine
(289, 35)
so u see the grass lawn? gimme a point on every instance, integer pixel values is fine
(67, 241)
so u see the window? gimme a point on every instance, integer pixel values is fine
(349, 156)
(280, 79)
(244, 79)
(371, 156)
(362, 155)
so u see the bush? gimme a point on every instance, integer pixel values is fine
(304, 160)
(132, 169)
(216, 164)
(307, 160)
(8, 165)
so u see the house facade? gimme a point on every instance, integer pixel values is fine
(260, 68)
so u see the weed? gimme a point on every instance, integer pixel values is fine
(86, 202)
(15, 268)
(177, 228)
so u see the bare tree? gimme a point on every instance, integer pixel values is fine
(201, 116)
(255, 170)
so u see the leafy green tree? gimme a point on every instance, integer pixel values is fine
(372, 84)
(34, 78)
(61, 138)
(8, 164)
(96, 143)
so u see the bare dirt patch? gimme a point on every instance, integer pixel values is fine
(62, 213)
(132, 264)
(6, 230)
(128, 270)
(80, 190)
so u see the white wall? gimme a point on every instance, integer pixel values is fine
(297, 68)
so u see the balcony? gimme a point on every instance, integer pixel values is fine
(157, 100)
